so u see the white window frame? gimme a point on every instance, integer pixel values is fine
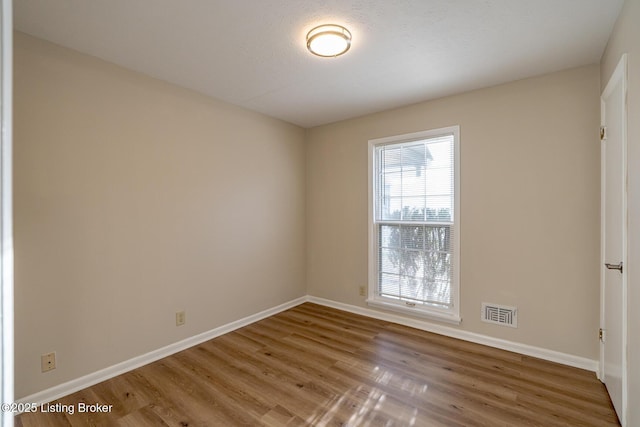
(449, 315)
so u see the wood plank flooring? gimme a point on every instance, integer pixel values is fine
(317, 366)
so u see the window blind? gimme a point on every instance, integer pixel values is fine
(414, 220)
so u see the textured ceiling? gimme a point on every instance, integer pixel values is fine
(252, 53)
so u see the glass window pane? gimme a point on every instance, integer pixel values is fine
(389, 284)
(412, 237)
(390, 261)
(388, 236)
(391, 159)
(412, 184)
(441, 154)
(411, 287)
(410, 262)
(413, 208)
(438, 182)
(393, 209)
(392, 184)
(440, 208)
(437, 239)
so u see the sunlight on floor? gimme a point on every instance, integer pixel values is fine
(365, 406)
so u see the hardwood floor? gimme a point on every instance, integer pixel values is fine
(313, 365)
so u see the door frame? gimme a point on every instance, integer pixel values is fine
(6, 209)
(619, 74)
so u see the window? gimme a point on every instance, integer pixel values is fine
(414, 223)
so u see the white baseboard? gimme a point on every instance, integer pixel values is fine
(78, 384)
(528, 350)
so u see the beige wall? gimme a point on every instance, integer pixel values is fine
(530, 178)
(134, 199)
(626, 39)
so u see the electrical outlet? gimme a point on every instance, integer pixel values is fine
(180, 318)
(363, 291)
(48, 361)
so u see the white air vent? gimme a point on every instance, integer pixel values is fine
(500, 314)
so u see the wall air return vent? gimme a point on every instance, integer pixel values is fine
(500, 314)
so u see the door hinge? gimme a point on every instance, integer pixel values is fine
(601, 335)
(603, 133)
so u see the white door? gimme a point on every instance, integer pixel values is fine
(613, 276)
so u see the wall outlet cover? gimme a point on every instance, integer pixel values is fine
(48, 362)
(180, 318)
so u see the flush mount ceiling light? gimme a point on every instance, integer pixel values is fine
(328, 40)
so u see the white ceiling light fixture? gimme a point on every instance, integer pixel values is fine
(328, 40)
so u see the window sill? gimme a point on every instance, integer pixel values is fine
(427, 314)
